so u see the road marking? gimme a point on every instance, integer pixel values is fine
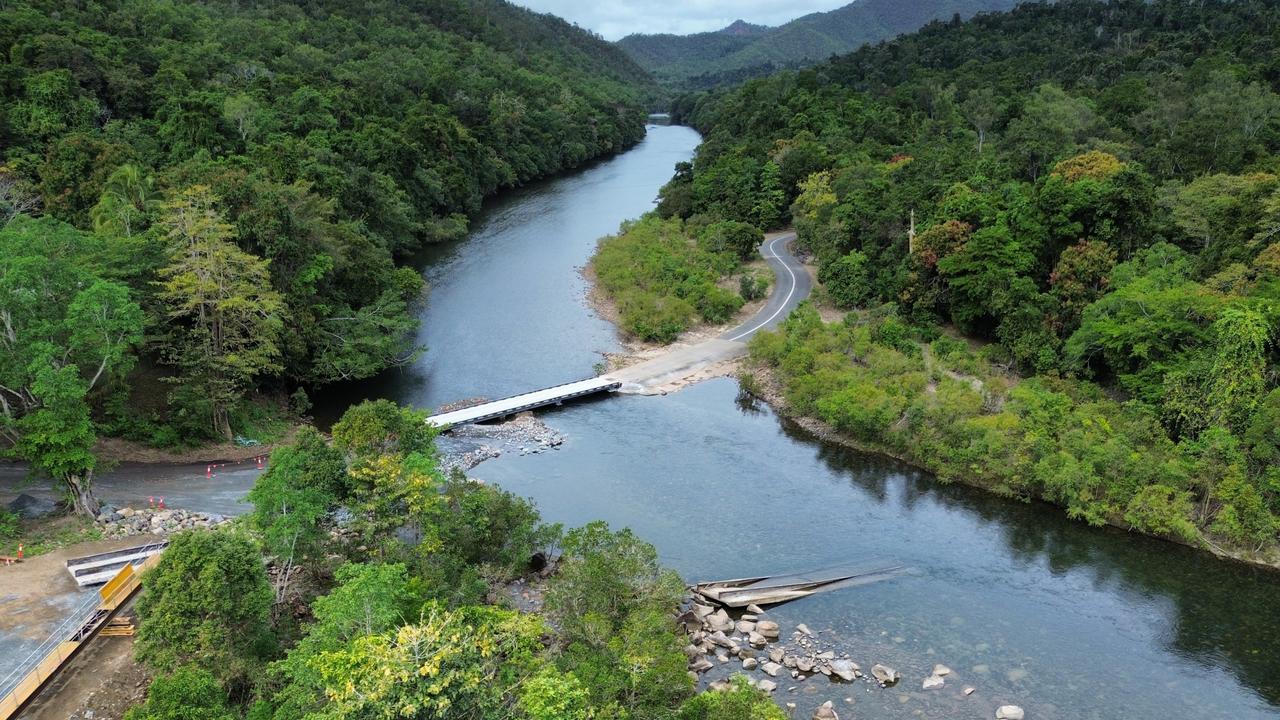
(785, 300)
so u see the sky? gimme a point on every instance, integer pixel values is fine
(616, 18)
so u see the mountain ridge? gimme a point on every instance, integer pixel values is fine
(734, 53)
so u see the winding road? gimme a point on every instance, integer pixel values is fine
(792, 287)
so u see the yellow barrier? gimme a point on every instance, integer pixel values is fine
(114, 594)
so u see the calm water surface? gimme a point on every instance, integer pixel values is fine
(1065, 620)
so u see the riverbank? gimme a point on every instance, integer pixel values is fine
(761, 381)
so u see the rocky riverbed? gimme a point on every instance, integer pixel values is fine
(722, 646)
(466, 446)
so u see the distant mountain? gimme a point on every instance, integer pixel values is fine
(743, 50)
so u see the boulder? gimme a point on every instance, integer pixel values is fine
(756, 639)
(744, 627)
(777, 655)
(846, 670)
(826, 655)
(968, 690)
(702, 610)
(753, 608)
(750, 663)
(933, 682)
(718, 638)
(826, 711)
(1009, 712)
(767, 628)
(692, 651)
(768, 686)
(700, 665)
(29, 507)
(771, 669)
(884, 674)
(720, 620)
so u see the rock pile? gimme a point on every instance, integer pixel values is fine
(123, 522)
(469, 445)
(752, 641)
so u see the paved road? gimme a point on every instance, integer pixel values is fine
(792, 285)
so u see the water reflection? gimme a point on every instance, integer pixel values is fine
(1065, 620)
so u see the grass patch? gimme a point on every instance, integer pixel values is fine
(43, 535)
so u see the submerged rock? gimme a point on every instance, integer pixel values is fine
(933, 682)
(826, 711)
(884, 674)
(1009, 712)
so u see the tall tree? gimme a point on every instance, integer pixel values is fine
(220, 300)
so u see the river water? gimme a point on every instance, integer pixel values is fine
(1027, 607)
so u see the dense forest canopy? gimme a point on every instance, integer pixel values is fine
(741, 50)
(229, 187)
(1090, 189)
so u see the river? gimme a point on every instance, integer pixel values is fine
(1065, 620)
(1027, 607)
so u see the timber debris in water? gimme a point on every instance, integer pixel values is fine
(774, 589)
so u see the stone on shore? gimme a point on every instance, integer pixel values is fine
(771, 669)
(750, 663)
(804, 629)
(755, 609)
(744, 626)
(756, 639)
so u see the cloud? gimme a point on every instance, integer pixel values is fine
(615, 18)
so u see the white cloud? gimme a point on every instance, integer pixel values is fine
(615, 18)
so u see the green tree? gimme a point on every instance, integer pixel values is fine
(445, 665)
(738, 238)
(293, 498)
(57, 438)
(66, 331)
(207, 602)
(220, 302)
(127, 203)
(553, 695)
(847, 280)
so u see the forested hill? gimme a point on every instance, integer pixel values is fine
(741, 51)
(1095, 194)
(301, 147)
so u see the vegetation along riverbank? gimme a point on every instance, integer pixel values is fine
(1101, 225)
(431, 596)
(205, 207)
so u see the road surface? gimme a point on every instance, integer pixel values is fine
(792, 286)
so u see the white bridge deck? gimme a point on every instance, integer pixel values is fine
(527, 401)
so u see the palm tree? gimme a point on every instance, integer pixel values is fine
(127, 200)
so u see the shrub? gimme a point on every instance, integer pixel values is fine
(188, 693)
